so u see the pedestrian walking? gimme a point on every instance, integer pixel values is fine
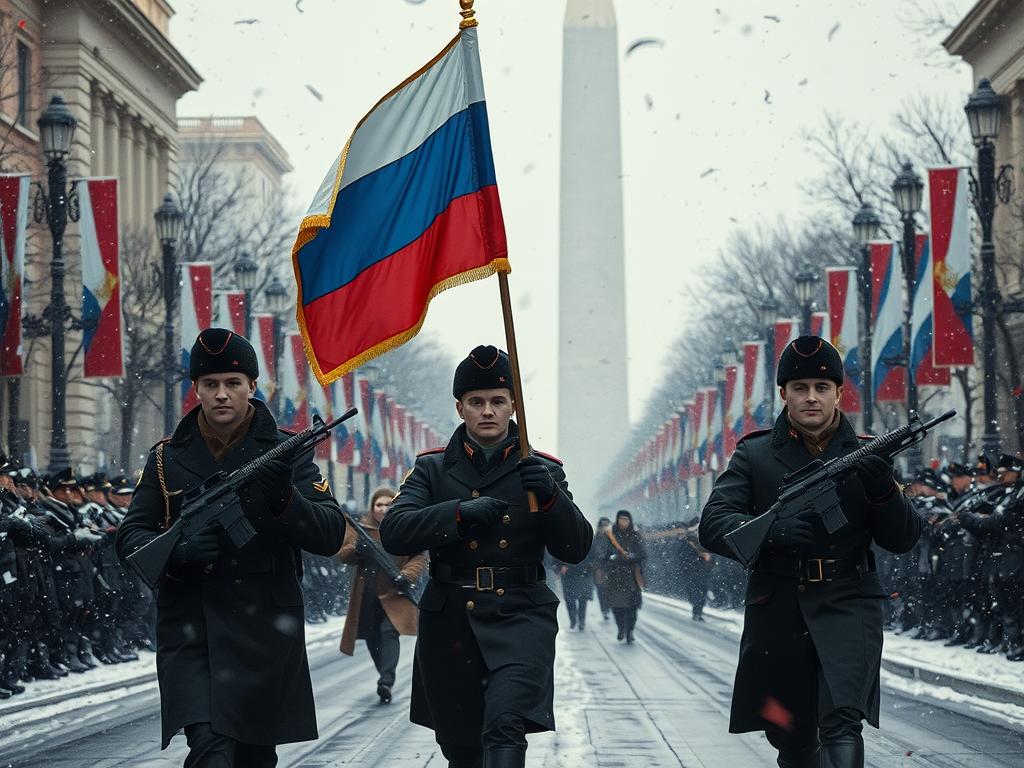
(600, 581)
(620, 554)
(377, 611)
(811, 647)
(483, 676)
(577, 591)
(231, 652)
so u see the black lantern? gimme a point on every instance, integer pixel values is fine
(805, 280)
(984, 110)
(57, 129)
(246, 272)
(277, 297)
(767, 311)
(170, 221)
(866, 224)
(907, 191)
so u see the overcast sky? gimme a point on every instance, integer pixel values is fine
(730, 89)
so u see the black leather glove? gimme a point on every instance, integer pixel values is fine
(535, 477)
(274, 481)
(875, 476)
(481, 512)
(793, 533)
(201, 549)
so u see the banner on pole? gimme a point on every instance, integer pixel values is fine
(102, 341)
(921, 336)
(196, 316)
(951, 267)
(844, 331)
(263, 342)
(231, 311)
(13, 228)
(295, 402)
(888, 380)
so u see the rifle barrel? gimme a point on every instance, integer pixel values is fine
(939, 419)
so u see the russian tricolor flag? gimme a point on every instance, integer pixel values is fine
(408, 209)
(102, 341)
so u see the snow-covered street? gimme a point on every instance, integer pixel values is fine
(661, 702)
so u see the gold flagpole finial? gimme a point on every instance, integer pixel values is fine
(467, 13)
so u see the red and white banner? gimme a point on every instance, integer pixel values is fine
(263, 343)
(344, 436)
(819, 324)
(102, 341)
(921, 320)
(231, 311)
(844, 330)
(888, 378)
(787, 330)
(756, 405)
(951, 267)
(13, 227)
(294, 377)
(319, 405)
(196, 316)
(732, 430)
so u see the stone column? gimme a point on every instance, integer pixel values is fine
(138, 172)
(153, 195)
(111, 156)
(163, 169)
(97, 132)
(125, 167)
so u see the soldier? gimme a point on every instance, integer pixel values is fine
(577, 591)
(231, 653)
(697, 565)
(600, 581)
(15, 529)
(483, 672)
(620, 554)
(811, 648)
(928, 497)
(378, 612)
(138, 624)
(1003, 527)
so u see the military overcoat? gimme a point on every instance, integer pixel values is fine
(514, 629)
(230, 639)
(775, 679)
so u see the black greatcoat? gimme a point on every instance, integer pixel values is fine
(230, 643)
(515, 631)
(844, 616)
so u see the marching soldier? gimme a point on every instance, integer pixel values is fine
(483, 672)
(812, 638)
(231, 653)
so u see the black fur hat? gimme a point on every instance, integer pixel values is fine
(217, 350)
(810, 357)
(486, 367)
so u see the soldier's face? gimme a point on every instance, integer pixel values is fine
(120, 499)
(98, 497)
(961, 483)
(7, 482)
(812, 403)
(487, 413)
(224, 397)
(1009, 478)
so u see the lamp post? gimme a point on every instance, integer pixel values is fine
(767, 311)
(866, 227)
(278, 300)
(246, 275)
(805, 281)
(984, 111)
(56, 131)
(371, 373)
(907, 190)
(170, 222)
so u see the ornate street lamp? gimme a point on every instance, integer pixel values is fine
(170, 222)
(984, 111)
(277, 301)
(805, 280)
(907, 191)
(56, 205)
(866, 227)
(246, 276)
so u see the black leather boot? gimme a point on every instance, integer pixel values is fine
(808, 758)
(847, 753)
(505, 757)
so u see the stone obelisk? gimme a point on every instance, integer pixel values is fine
(593, 417)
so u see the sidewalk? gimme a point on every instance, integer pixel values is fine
(956, 677)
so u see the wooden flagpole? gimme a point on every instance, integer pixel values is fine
(517, 383)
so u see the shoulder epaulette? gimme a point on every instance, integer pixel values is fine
(430, 451)
(550, 457)
(755, 433)
(159, 442)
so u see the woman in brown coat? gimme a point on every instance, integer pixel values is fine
(377, 612)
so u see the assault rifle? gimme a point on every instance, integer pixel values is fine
(216, 500)
(814, 486)
(376, 553)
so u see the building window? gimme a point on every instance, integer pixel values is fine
(23, 77)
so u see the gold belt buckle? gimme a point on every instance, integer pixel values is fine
(490, 585)
(821, 571)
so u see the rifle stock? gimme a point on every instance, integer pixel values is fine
(376, 551)
(814, 486)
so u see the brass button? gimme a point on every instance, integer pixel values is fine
(506, 519)
(475, 494)
(802, 587)
(470, 605)
(499, 592)
(503, 544)
(474, 544)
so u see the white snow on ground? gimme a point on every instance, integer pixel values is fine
(979, 669)
(133, 674)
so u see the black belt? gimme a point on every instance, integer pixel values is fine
(816, 569)
(486, 578)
